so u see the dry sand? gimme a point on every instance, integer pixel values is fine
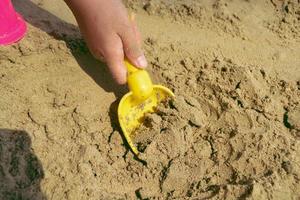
(232, 133)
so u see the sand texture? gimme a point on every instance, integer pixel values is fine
(233, 131)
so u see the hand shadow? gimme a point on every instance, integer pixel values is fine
(20, 170)
(69, 33)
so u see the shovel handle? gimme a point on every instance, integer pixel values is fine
(139, 82)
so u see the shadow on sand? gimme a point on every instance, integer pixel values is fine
(70, 33)
(20, 170)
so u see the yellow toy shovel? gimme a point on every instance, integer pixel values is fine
(143, 98)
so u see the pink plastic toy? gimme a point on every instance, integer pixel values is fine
(12, 25)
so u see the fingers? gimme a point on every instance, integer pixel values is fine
(131, 44)
(135, 29)
(109, 34)
(114, 57)
(125, 44)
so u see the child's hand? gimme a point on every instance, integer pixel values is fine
(109, 33)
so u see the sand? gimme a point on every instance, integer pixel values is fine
(232, 132)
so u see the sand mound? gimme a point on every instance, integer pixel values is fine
(224, 146)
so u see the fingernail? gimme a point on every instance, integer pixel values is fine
(142, 62)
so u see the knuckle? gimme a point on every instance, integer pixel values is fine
(120, 81)
(112, 52)
(126, 26)
(97, 52)
(133, 50)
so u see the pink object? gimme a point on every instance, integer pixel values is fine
(12, 25)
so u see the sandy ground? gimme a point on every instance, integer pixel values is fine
(232, 133)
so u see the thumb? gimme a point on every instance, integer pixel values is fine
(131, 43)
(135, 29)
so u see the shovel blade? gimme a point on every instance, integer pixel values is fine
(131, 112)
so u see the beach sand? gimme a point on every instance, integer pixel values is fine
(232, 133)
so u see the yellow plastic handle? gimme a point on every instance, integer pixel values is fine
(139, 82)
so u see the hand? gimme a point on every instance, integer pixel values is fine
(110, 34)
